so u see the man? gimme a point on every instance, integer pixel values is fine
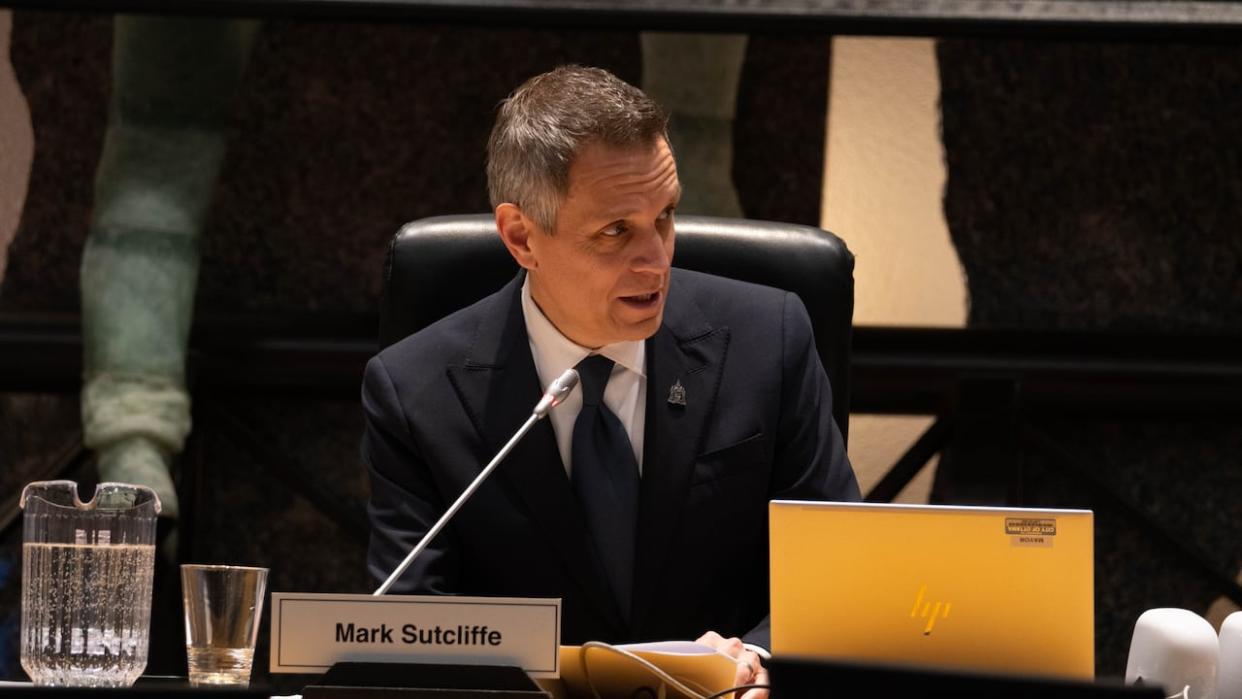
(642, 500)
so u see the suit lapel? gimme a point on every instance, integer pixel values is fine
(498, 385)
(686, 350)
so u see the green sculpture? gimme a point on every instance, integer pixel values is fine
(695, 77)
(173, 87)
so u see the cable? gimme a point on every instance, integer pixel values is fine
(650, 667)
(655, 670)
(738, 688)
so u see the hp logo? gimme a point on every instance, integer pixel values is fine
(928, 610)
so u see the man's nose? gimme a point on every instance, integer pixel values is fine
(652, 253)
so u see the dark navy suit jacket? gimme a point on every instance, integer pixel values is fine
(756, 425)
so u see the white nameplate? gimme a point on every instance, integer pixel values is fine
(310, 632)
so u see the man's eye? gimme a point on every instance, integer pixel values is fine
(614, 230)
(666, 214)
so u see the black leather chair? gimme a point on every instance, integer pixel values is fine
(438, 265)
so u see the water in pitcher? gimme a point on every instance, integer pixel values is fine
(85, 613)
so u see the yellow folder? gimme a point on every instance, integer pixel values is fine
(701, 668)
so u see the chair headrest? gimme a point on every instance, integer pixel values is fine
(438, 265)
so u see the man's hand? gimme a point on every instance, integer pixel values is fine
(749, 668)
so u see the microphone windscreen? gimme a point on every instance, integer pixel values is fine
(1175, 648)
(1229, 679)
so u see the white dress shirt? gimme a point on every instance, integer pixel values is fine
(625, 396)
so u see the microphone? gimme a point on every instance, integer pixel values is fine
(1229, 674)
(561, 387)
(1175, 648)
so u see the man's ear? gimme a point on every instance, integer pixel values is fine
(516, 230)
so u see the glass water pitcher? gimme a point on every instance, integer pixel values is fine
(86, 583)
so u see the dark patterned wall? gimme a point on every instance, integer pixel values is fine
(344, 132)
(1098, 186)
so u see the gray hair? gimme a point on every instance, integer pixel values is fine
(543, 125)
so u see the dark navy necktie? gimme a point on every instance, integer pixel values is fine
(605, 478)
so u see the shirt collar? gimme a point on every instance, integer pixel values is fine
(554, 353)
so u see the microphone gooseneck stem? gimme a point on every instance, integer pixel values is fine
(461, 500)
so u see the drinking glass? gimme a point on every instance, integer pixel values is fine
(223, 605)
(86, 583)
